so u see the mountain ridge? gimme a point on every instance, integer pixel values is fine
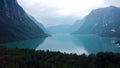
(102, 21)
(15, 23)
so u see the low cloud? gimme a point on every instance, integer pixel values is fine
(113, 2)
(55, 12)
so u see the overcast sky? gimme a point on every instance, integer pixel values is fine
(56, 12)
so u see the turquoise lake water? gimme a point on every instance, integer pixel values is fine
(70, 44)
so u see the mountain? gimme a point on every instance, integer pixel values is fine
(15, 24)
(59, 29)
(39, 24)
(76, 25)
(64, 28)
(102, 21)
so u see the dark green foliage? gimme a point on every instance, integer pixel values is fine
(26, 58)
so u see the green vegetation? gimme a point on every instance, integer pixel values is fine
(26, 58)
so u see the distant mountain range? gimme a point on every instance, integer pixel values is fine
(74, 27)
(65, 28)
(15, 24)
(103, 22)
(59, 29)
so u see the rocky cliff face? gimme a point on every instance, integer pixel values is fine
(15, 24)
(103, 21)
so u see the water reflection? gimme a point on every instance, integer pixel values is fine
(31, 44)
(95, 44)
(79, 44)
(70, 44)
(63, 43)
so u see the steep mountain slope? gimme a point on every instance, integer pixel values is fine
(39, 24)
(76, 25)
(15, 24)
(103, 21)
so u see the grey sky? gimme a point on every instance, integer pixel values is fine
(113, 2)
(56, 12)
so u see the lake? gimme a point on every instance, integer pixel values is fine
(70, 44)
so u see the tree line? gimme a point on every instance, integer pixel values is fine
(28, 58)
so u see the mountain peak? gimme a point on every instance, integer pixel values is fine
(106, 10)
(112, 6)
(103, 22)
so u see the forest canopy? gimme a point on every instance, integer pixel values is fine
(28, 58)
